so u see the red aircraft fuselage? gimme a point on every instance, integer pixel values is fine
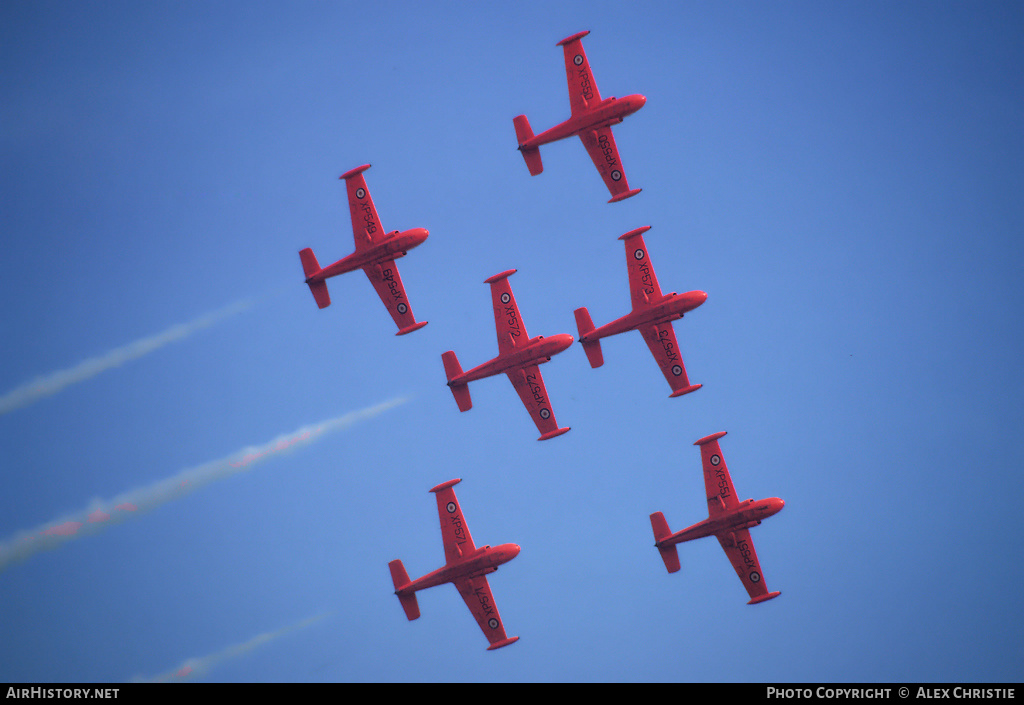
(670, 308)
(391, 247)
(481, 562)
(609, 111)
(747, 514)
(535, 351)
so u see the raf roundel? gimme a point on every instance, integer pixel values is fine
(402, 308)
(616, 174)
(451, 507)
(360, 193)
(677, 370)
(545, 414)
(505, 298)
(755, 577)
(715, 459)
(638, 253)
(492, 623)
(578, 59)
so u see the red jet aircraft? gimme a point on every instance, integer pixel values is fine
(652, 315)
(465, 565)
(729, 520)
(375, 254)
(518, 357)
(591, 119)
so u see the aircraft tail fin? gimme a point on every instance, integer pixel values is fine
(524, 133)
(669, 554)
(591, 347)
(319, 287)
(408, 600)
(453, 369)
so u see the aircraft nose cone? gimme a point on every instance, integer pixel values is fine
(507, 551)
(559, 342)
(691, 299)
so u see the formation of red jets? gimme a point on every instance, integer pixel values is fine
(520, 356)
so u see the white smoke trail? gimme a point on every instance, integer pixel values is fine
(50, 384)
(101, 514)
(195, 667)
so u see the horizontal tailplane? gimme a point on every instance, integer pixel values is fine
(524, 133)
(452, 370)
(319, 287)
(591, 347)
(669, 554)
(408, 600)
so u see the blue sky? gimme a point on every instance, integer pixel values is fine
(843, 179)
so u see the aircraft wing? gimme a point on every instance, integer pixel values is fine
(582, 88)
(476, 593)
(388, 283)
(507, 321)
(644, 289)
(600, 145)
(530, 385)
(366, 227)
(661, 340)
(717, 482)
(739, 548)
(454, 530)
